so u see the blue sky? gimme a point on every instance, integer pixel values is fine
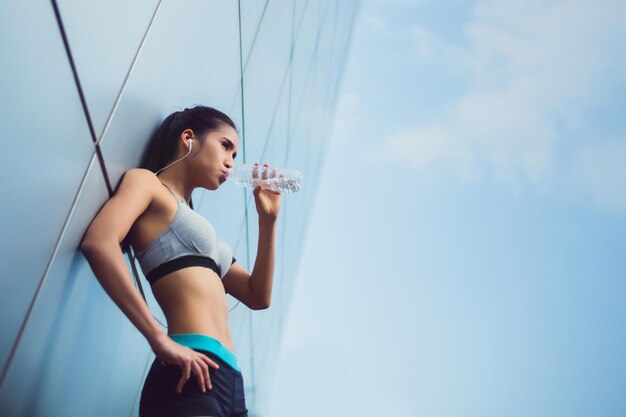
(466, 252)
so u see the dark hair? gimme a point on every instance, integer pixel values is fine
(162, 146)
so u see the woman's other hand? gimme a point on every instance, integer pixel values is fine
(267, 201)
(170, 352)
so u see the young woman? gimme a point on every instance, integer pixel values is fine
(189, 268)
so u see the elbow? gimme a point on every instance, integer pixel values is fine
(86, 246)
(91, 245)
(95, 243)
(263, 305)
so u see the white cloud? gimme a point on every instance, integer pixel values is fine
(427, 146)
(348, 115)
(600, 168)
(376, 23)
(400, 3)
(426, 42)
(534, 67)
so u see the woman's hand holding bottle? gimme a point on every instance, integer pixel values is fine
(267, 201)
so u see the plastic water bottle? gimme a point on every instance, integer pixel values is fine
(276, 179)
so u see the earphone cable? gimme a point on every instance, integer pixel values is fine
(190, 140)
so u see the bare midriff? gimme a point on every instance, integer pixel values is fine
(193, 300)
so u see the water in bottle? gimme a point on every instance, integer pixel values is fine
(276, 179)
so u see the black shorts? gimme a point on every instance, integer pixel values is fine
(160, 399)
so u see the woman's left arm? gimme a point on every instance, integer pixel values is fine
(255, 290)
(263, 272)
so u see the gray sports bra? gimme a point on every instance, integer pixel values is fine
(189, 240)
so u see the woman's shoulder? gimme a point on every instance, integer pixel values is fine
(138, 184)
(139, 177)
(134, 194)
(141, 173)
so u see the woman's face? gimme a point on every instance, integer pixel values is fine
(217, 153)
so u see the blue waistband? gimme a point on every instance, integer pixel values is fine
(208, 343)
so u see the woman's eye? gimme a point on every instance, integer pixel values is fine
(225, 145)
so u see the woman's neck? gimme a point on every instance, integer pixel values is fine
(176, 182)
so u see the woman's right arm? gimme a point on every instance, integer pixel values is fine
(101, 247)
